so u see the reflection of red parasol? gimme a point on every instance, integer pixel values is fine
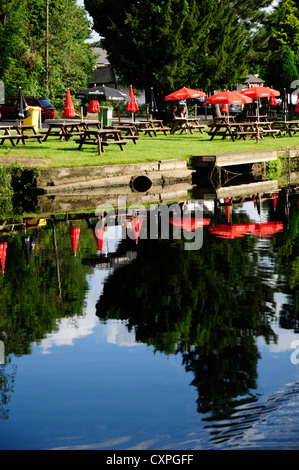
(136, 224)
(227, 208)
(267, 229)
(3, 248)
(69, 111)
(74, 233)
(189, 223)
(184, 94)
(98, 235)
(231, 231)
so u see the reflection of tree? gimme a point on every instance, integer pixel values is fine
(208, 305)
(288, 267)
(31, 301)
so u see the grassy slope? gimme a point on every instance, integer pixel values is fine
(55, 153)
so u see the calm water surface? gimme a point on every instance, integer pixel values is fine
(147, 345)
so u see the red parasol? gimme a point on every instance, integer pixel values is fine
(74, 233)
(3, 248)
(189, 223)
(260, 92)
(184, 94)
(227, 97)
(69, 111)
(93, 106)
(132, 105)
(297, 106)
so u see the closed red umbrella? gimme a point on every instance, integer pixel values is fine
(184, 94)
(132, 105)
(297, 106)
(69, 111)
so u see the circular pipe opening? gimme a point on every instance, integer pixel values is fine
(141, 184)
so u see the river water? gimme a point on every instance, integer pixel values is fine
(136, 343)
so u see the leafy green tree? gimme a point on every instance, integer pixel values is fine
(23, 45)
(172, 43)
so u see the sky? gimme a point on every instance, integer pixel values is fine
(95, 36)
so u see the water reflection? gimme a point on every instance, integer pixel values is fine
(213, 308)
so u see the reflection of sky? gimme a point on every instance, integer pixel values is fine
(70, 329)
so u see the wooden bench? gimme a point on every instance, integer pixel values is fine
(103, 142)
(154, 130)
(131, 137)
(200, 127)
(12, 137)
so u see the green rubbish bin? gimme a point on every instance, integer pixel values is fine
(35, 118)
(106, 115)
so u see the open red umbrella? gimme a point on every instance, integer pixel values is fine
(184, 94)
(227, 97)
(69, 111)
(132, 105)
(260, 92)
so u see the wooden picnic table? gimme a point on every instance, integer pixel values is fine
(186, 125)
(150, 127)
(238, 130)
(8, 136)
(263, 118)
(61, 129)
(101, 138)
(127, 132)
(23, 129)
(288, 127)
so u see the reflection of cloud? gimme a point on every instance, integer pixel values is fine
(69, 329)
(117, 333)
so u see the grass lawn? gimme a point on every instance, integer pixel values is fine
(55, 153)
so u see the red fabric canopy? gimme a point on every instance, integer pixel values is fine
(227, 97)
(260, 92)
(184, 94)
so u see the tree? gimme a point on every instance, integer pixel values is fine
(168, 44)
(22, 47)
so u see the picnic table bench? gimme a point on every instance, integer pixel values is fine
(186, 125)
(127, 132)
(287, 127)
(101, 138)
(22, 130)
(150, 127)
